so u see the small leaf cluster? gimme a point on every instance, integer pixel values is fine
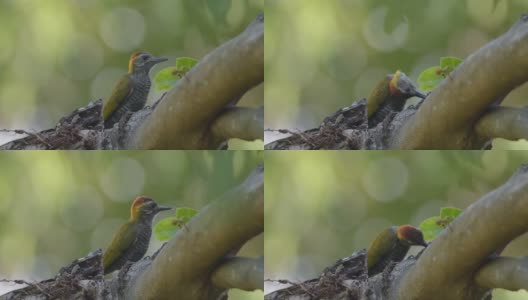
(432, 227)
(168, 227)
(432, 76)
(167, 77)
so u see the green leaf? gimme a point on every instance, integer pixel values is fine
(449, 63)
(184, 214)
(167, 228)
(433, 226)
(449, 212)
(430, 228)
(430, 78)
(167, 77)
(185, 63)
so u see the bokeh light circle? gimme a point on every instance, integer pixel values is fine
(123, 29)
(84, 211)
(386, 179)
(375, 34)
(123, 180)
(82, 58)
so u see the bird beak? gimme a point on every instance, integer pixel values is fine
(157, 60)
(419, 94)
(161, 208)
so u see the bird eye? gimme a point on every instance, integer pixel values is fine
(144, 57)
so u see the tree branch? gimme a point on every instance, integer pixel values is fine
(344, 129)
(505, 122)
(209, 86)
(240, 272)
(445, 119)
(82, 129)
(239, 122)
(190, 256)
(504, 272)
(467, 243)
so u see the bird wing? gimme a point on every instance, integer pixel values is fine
(381, 246)
(122, 89)
(377, 96)
(121, 242)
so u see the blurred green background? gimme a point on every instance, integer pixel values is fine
(322, 206)
(58, 55)
(58, 206)
(324, 55)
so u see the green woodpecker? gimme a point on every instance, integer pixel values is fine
(391, 245)
(131, 91)
(389, 95)
(132, 239)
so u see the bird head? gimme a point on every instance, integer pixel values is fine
(410, 236)
(143, 62)
(145, 207)
(400, 84)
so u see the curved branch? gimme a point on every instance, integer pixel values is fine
(239, 122)
(184, 265)
(240, 272)
(222, 75)
(444, 120)
(510, 123)
(467, 243)
(504, 272)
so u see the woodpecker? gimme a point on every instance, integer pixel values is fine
(391, 245)
(389, 95)
(131, 241)
(131, 91)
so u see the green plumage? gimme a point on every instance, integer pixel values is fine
(389, 95)
(391, 245)
(379, 95)
(131, 91)
(385, 249)
(131, 241)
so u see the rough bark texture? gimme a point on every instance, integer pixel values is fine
(460, 113)
(459, 264)
(345, 129)
(193, 114)
(186, 267)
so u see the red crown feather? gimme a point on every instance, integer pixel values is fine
(138, 202)
(131, 60)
